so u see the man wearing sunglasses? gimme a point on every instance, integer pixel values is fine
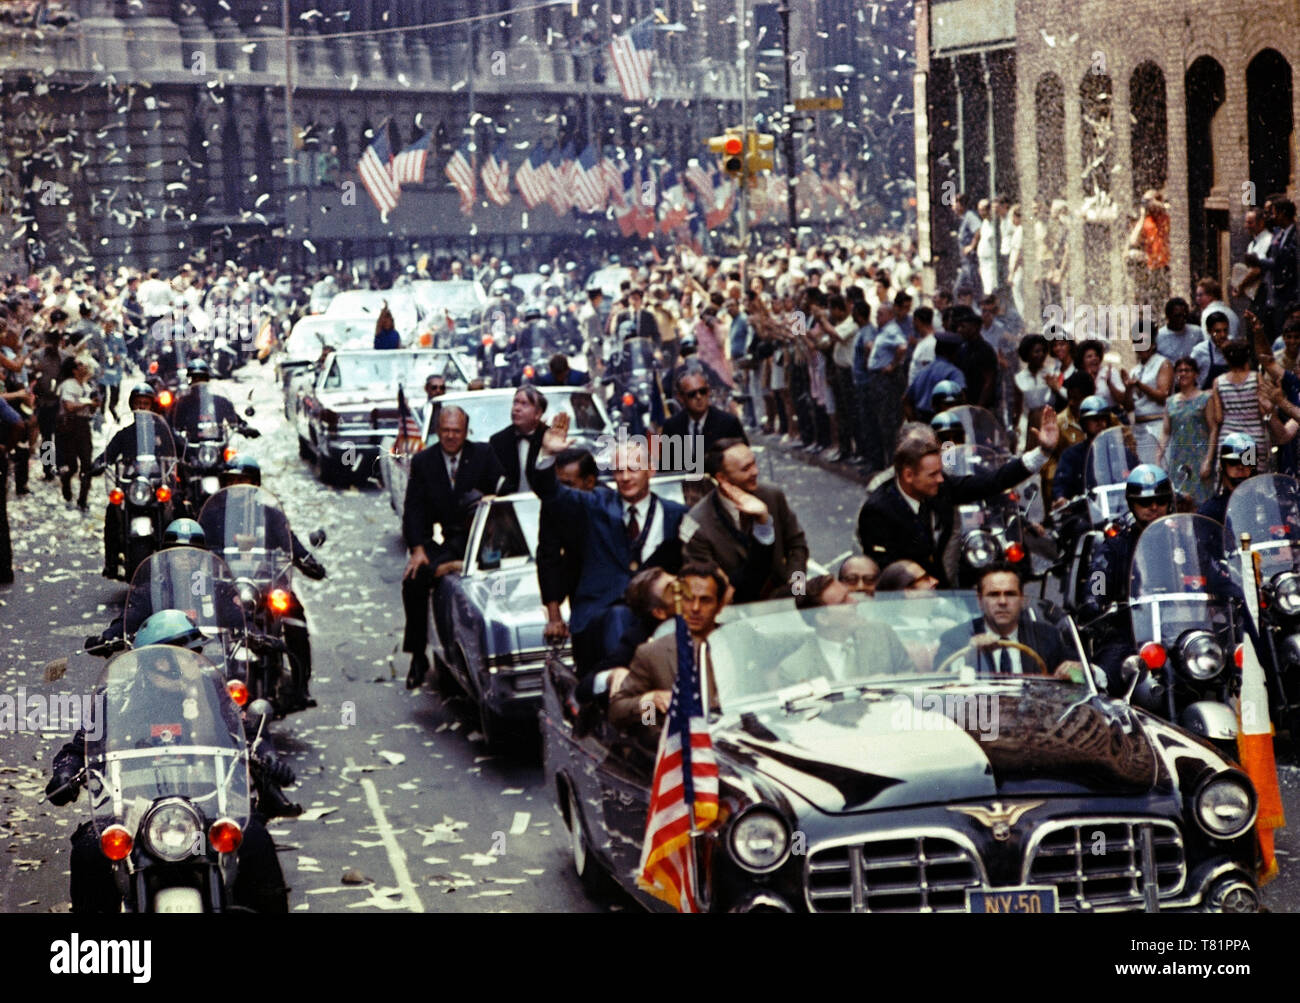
(699, 418)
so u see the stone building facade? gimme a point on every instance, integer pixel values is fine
(145, 131)
(1094, 102)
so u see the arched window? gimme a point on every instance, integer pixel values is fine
(1049, 118)
(1269, 123)
(1148, 139)
(1207, 217)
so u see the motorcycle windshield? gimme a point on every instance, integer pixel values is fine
(196, 414)
(1001, 515)
(1180, 579)
(197, 583)
(1110, 459)
(166, 728)
(151, 442)
(1268, 508)
(246, 526)
(640, 354)
(981, 428)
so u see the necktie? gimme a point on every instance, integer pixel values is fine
(1004, 662)
(455, 459)
(633, 526)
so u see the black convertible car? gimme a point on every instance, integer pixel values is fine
(858, 776)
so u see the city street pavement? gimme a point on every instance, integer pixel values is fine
(404, 808)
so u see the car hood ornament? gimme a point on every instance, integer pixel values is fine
(999, 817)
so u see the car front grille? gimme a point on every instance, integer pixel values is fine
(913, 871)
(1096, 863)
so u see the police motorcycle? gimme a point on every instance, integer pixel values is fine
(141, 495)
(246, 526)
(1268, 508)
(501, 321)
(1185, 612)
(528, 349)
(633, 376)
(1111, 458)
(167, 770)
(996, 529)
(204, 440)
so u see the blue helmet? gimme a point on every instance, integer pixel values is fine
(184, 533)
(948, 427)
(1238, 448)
(239, 468)
(198, 371)
(946, 394)
(1148, 484)
(1094, 407)
(169, 626)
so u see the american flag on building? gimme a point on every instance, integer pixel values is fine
(408, 166)
(684, 793)
(590, 184)
(625, 212)
(613, 175)
(496, 176)
(561, 170)
(646, 201)
(375, 172)
(532, 180)
(633, 55)
(460, 172)
(673, 209)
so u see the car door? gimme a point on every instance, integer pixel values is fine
(624, 780)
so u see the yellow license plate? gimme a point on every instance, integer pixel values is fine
(1025, 900)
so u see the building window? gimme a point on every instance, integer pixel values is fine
(1148, 140)
(1269, 123)
(1207, 215)
(1049, 123)
(232, 167)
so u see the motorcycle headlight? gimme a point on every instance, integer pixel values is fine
(172, 831)
(1225, 805)
(247, 593)
(759, 840)
(1202, 656)
(209, 455)
(140, 493)
(980, 549)
(1286, 593)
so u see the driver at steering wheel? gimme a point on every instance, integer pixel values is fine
(1002, 602)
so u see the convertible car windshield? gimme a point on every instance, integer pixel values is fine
(768, 647)
(356, 370)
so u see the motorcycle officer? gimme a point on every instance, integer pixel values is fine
(246, 470)
(143, 397)
(259, 884)
(1237, 463)
(1149, 494)
(1072, 469)
(948, 429)
(185, 418)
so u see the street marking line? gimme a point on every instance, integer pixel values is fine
(396, 856)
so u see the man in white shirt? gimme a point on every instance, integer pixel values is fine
(155, 297)
(1250, 283)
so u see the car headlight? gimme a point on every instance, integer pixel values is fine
(1286, 593)
(1225, 805)
(759, 840)
(140, 493)
(1202, 656)
(980, 549)
(172, 831)
(209, 455)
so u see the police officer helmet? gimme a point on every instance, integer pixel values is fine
(1238, 448)
(184, 533)
(533, 311)
(1149, 485)
(948, 427)
(169, 626)
(499, 288)
(1094, 407)
(142, 390)
(199, 371)
(242, 469)
(506, 271)
(946, 394)
(543, 269)
(686, 345)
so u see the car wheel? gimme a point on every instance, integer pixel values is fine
(494, 727)
(447, 686)
(328, 470)
(594, 880)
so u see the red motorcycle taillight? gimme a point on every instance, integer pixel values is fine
(165, 398)
(278, 600)
(1015, 553)
(1152, 654)
(238, 691)
(116, 497)
(225, 835)
(628, 400)
(163, 493)
(230, 453)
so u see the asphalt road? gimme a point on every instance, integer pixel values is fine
(404, 808)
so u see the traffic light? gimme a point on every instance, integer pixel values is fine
(729, 147)
(756, 159)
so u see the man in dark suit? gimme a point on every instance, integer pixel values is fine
(559, 374)
(560, 541)
(1002, 600)
(642, 320)
(1280, 266)
(747, 529)
(516, 446)
(977, 359)
(688, 435)
(442, 477)
(627, 529)
(910, 517)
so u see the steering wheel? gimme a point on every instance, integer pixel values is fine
(1000, 643)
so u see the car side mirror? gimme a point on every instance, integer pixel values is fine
(1132, 671)
(249, 412)
(317, 537)
(259, 712)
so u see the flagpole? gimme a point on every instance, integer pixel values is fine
(744, 124)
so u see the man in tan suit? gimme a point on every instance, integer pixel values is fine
(747, 529)
(643, 698)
